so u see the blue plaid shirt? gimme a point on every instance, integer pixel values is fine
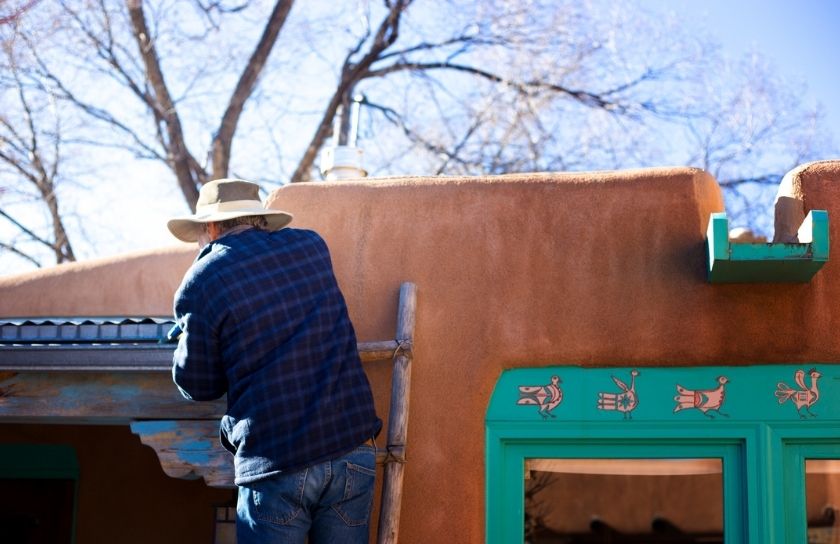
(264, 321)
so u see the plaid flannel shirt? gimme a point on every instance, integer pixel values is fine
(264, 321)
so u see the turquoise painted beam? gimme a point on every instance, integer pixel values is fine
(766, 263)
(100, 397)
(708, 395)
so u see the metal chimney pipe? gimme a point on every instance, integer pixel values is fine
(344, 159)
(338, 127)
(355, 111)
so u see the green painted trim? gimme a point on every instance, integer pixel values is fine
(34, 461)
(762, 443)
(508, 508)
(717, 234)
(766, 263)
(819, 234)
(796, 452)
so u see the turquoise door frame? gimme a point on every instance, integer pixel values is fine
(759, 433)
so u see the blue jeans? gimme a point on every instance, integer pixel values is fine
(329, 502)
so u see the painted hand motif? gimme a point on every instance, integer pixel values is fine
(625, 401)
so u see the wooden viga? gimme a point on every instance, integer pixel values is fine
(190, 448)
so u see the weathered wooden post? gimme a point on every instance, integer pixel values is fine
(389, 514)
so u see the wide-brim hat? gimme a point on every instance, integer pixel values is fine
(224, 199)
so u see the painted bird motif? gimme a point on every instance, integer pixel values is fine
(705, 400)
(804, 397)
(547, 397)
(624, 402)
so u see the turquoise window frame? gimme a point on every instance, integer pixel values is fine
(763, 443)
(795, 452)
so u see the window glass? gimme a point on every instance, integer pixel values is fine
(623, 500)
(36, 511)
(822, 495)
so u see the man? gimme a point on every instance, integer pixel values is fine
(263, 320)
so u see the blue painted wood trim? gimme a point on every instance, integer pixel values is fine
(188, 449)
(97, 397)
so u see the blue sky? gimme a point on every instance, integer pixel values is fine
(802, 39)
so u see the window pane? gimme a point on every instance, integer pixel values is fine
(623, 500)
(37, 511)
(822, 494)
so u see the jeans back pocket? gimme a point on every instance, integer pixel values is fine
(279, 500)
(354, 508)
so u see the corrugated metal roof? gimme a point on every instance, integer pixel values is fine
(48, 344)
(84, 330)
(85, 344)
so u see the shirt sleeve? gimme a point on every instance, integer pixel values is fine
(197, 367)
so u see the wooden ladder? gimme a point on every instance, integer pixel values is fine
(393, 458)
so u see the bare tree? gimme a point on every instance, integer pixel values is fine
(450, 87)
(153, 91)
(14, 10)
(755, 130)
(31, 153)
(447, 58)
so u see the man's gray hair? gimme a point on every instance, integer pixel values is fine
(257, 221)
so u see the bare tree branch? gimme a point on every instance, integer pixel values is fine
(587, 98)
(178, 157)
(27, 230)
(16, 14)
(105, 51)
(351, 73)
(224, 136)
(41, 178)
(19, 253)
(58, 86)
(17, 164)
(394, 117)
(767, 179)
(217, 6)
(464, 39)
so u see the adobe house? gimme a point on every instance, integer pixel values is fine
(592, 359)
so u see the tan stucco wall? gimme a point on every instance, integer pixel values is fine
(135, 284)
(591, 268)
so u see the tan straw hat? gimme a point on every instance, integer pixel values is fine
(224, 199)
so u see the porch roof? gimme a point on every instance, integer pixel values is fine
(85, 343)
